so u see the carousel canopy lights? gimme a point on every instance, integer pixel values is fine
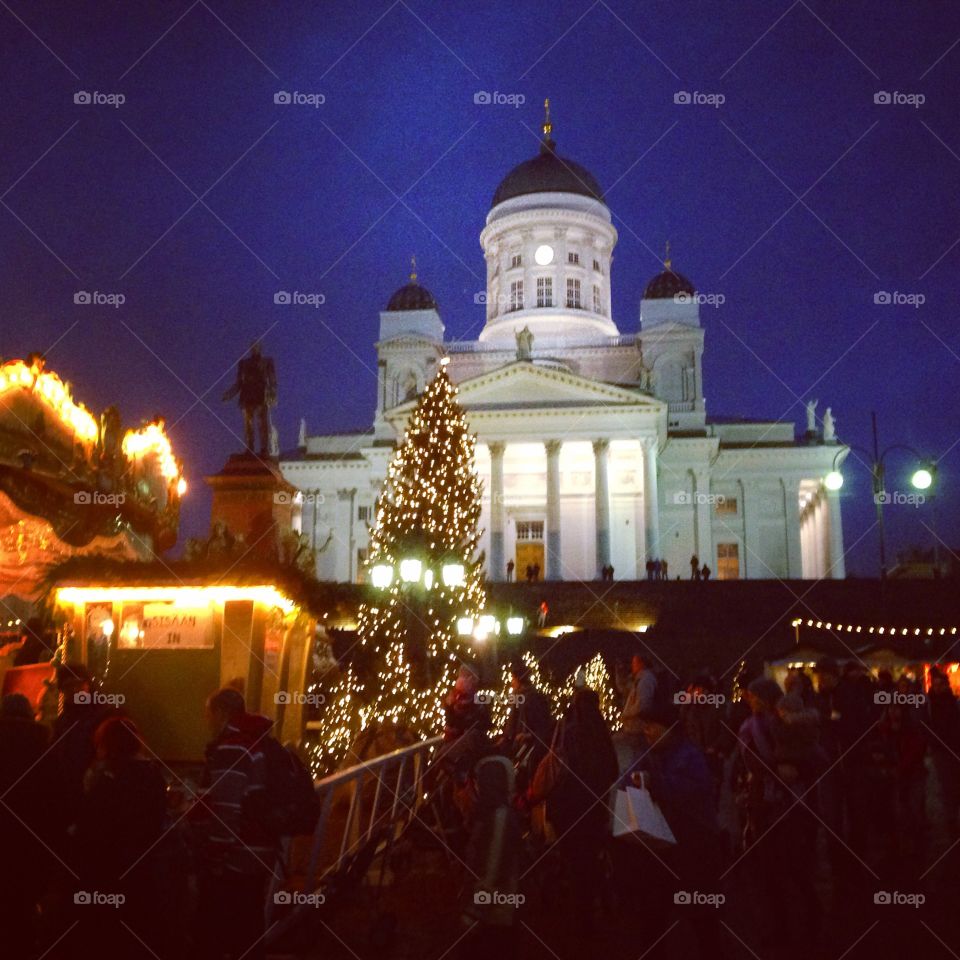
(138, 444)
(17, 375)
(859, 628)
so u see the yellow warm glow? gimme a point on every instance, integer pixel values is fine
(138, 444)
(16, 375)
(179, 596)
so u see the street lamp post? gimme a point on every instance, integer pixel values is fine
(923, 478)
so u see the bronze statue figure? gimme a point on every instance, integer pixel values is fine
(256, 386)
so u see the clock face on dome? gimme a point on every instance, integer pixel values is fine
(543, 255)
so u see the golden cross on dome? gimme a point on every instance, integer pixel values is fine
(413, 268)
(667, 262)
(547, 125)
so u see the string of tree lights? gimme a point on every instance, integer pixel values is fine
(426, 531)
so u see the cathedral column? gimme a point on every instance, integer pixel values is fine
(496, 570)
(703, 516)
(792, 521)
(601, 494)
(837, 568)
(651, 498)
(349, 497)
(553, 562)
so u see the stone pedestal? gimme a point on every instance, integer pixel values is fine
(254, 501)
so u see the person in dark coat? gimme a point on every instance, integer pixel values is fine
(236, 854)
(578, 805)
(678, 777)
(942, 722)
(24, 812)
(119, 829)
(529, 725)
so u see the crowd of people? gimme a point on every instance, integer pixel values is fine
(780, 795)
(104, 858)
(782, 801)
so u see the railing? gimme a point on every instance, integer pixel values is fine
(382, 796)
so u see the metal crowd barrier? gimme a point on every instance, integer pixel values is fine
(382, 797)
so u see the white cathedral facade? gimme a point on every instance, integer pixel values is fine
(594, 445)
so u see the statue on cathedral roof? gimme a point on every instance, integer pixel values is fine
(525, 343)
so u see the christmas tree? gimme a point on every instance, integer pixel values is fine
(426, 535)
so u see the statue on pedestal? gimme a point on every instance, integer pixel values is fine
(524, 344)
(812, 416)
(256, 386)
(829, 427)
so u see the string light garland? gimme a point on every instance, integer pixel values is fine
(890, 631)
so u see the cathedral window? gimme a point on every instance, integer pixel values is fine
(573, 293)
(516, 295)
(544, 291)
(726, 505)
(596, 266)
(516, 260)
(573, 258)
(597, 299)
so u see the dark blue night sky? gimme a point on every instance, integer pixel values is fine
(798, 199)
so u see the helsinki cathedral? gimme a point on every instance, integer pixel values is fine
(594, 443)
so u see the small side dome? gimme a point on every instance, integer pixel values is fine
(668, 283)
(412, 296)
